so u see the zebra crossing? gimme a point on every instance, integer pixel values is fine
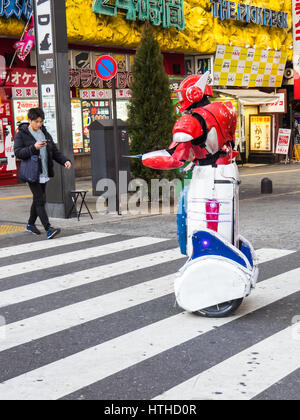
(93, 316)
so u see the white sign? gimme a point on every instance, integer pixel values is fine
(23, 92)
(278, 106)
(21, 108)
(283, 141)
(44, 27)
(104, 93)
(49, 108)
(77, 125)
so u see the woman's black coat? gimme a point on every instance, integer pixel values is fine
(24, 147)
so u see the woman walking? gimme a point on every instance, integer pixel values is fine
(37, 151)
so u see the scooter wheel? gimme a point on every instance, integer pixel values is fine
(220, 310)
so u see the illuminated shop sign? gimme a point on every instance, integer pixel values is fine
(247, 13)
(16, 8)
(165, 13)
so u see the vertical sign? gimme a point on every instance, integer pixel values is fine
(46, 60)
(283, 141)
(296, 36)
(54, 95)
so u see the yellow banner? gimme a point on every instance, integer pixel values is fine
(264, 68)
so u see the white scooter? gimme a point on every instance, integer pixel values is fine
(222, 266)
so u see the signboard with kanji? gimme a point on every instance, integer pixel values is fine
(92, 111)
(277, 106)
(20, 77)
(260, 133)
(248, 67)
(165, 13)
(77, 126)
(283, 141)
(21, 108)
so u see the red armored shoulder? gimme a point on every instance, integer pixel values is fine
(186, 129)
(225, 116)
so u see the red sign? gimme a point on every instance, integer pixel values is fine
(106, 67)
(296, 56)
(8, 173)
(22, 78)
(283, 141)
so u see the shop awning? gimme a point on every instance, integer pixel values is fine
(249, 96)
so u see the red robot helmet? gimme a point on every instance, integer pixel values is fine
(192, 90)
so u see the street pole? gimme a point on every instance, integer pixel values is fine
(116, 144)
(54, 96)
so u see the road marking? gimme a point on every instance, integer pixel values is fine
(59, 378)
(40, 245)
(16, 197)
(269, 173)
(58, 284)
(74, 256)
(268, 254)
(262, 196)
(5, 229)
(39, 326)
(244, 375)
(69, 281)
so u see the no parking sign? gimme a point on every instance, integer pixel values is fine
(106, 67)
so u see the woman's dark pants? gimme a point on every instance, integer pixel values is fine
(38, 205)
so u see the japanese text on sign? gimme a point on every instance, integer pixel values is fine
(22, 78)
(283, 141)
(88, 78)
(16, 8)
(260, 133)
(165, 13)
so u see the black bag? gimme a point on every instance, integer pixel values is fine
(30, 169)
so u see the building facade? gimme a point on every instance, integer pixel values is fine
(245, 45)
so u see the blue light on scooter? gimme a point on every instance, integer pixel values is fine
(205, 243)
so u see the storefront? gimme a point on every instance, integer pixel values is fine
(245, 47)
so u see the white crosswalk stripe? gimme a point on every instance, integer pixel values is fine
(84, 277)
(235, 379)
(93, 364)
(57, 284)
(41, 245)
(70, 257)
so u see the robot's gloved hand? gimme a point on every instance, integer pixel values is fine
(161, 159)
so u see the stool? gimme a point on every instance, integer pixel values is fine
(75, 194)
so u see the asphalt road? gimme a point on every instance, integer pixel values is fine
(91, 315)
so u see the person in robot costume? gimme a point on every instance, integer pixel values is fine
(207, 130)
(222, 266)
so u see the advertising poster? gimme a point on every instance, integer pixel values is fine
(278, 106)
(77, 126)
(296, 49)
(122, 111)
(21, 108)
(261, 133)
(248, 67)
(283, 141)
(49, 107)
(92, 111)
(8, 173)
